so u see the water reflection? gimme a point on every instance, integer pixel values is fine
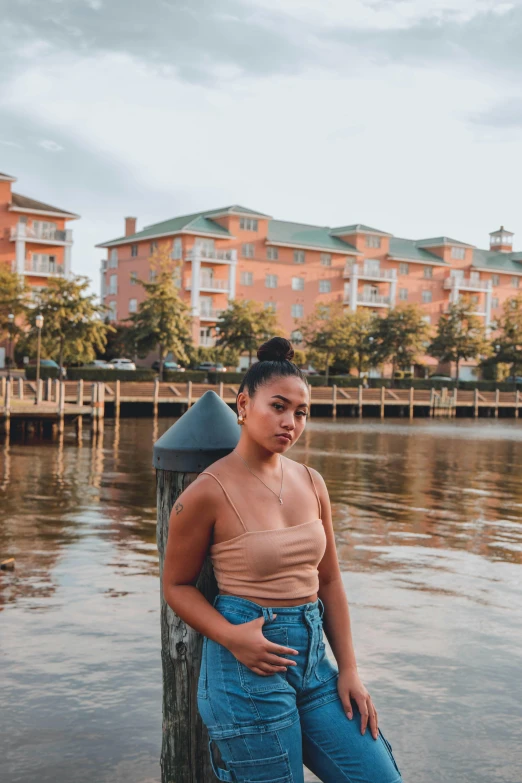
(428, 524)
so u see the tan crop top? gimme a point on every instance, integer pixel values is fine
(280, 563)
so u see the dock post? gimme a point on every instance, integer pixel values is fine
(56, 389)
(117, 396)
(220, 390)
(21, 388)
(334, 401)
(39, 391)
(7, 406)
(497, 395)
(100, 404)
(475, 402)
(94, 408)
(360, 400)
(453, 409)
(411, 401)
(155, 397)
(189, 394)
(516, 404)
(61, 405)
(383, 391)
(432, 400)
(79, 393)
(205, 433)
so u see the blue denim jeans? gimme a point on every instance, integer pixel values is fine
(267, 726)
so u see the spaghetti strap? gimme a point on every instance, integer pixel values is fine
(315, 490)
(227, 496)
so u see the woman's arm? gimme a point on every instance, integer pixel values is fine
(337, 624)
(191, 526)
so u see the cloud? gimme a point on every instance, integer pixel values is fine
(505, 114)
(10, 144)
(50, 146)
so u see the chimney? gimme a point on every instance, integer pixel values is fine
(501, 240)
(130, 226)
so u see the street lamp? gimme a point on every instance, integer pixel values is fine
(39, 323)
(10, 323)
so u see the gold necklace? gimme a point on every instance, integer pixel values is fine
(261, 480)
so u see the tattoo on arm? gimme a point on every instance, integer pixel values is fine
(178, 507)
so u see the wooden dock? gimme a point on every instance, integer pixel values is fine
(77, 399)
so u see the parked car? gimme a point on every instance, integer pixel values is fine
(440, 378)
(514, 379)
(102, 364)
(168, 365)
(211, 367)
(123, 364)
(48, 363)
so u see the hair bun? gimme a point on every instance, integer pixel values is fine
(277, 349)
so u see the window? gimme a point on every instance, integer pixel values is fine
(113, 284)
(152, 275)
(372, 241)
(427, 296)
(458, 252)
(133, 305)
(403, 294)
(133, 278)
(204, 247)
(247, 278)
(297, 311)
(404, 268)
(325, 286)
(270, 306)
(248, 224)
(495, 279)
(296, 336)
(112, 311)
(177, 249)
(298, 283)
(247, 250)
(271, 281)
(428, 272)
(153, 246)
(113, 258)
(474, 299)
(494, 302)
(515, 281)
(272, 253)
(134, 251)
(299, 256)
(326, 259)
(427, 318)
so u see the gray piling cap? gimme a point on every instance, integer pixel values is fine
(205, 433)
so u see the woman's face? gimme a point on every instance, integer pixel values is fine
(278, 408)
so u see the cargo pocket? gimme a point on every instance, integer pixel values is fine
(389, 749)
(270, 770)
(261, 683)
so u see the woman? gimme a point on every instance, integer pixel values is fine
(267, 693)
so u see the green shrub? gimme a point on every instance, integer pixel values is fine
(45, 372)
(173, 376)
(101, 374)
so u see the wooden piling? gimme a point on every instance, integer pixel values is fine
(497, 397)
(360, 400)
(100, 404)
(220, 390)
(517, 402)
(94, 409)
(411, 402)
(79, 392)
(7, 406)
(178, 459)
(20, 388)
(155, 397)
(189, 394)
(334, 401)
(383, 392)
(117, 396)
(48, 391)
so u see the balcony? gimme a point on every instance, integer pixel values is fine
(43, 268)
(207, 342)
(368, 299)
(210, 315)
(467, 284)
(42, 234)
(217, 256)
(208, 284)
(369, 272)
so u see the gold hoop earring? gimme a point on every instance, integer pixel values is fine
(240, 419)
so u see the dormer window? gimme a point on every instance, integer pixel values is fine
(458, 253)
(247, 224)
(372, 241)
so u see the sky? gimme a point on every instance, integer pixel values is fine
(406, 116)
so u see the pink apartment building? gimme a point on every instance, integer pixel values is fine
(238, 253)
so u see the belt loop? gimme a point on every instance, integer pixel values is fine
(268, 613)
(220, 773)
(321, 607)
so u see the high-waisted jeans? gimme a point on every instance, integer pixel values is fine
(267, 726)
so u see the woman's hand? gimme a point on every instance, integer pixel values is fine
(248, 644)
(349, 686)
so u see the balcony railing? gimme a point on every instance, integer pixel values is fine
(34, 267)
(22, 231)
(467, 284)
(376, 300)
(211, 315)
(367, 272)
(207, 284)
(205, 254)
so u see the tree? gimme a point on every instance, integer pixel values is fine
(460, 335)
(163, 320)
(400, 337)
(322, 333)
(358, 338)
(73, 328)
(14, 298)
(244, 325)
(508, 345)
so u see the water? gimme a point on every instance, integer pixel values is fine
(428, 521)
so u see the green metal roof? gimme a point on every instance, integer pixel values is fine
(304, 234)
(359, 228)
(409, 251)
(438, 241)
(507, 263)
(197, 222)
(235, 209)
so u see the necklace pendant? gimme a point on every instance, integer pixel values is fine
(281, 501)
